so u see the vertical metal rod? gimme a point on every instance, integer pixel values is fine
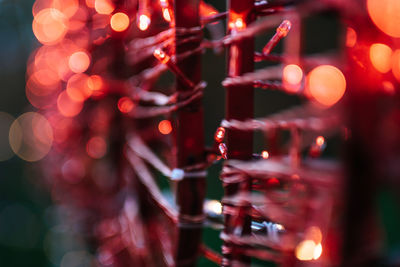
(239, 106)
(189, 140)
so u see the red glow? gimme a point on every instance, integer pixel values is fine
(167, 14)
(125, 104)
(326, 84)
(77, 87)
(385, 15)
(96, 147)
(161, 56)
(219, 134)
(381, 57)
(237, 24)
(119, 22)
(284, 28)
(396, 64)
(165, 127)
(351, 37)
(273, 181)
(207, 9)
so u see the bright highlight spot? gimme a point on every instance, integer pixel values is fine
(31, 136)
(265, 154)
(125, 104)
(165, 127)
(95, 83)
(166, 14)
(326, 84)
(96, 147)
(320, 141)
(50, 26)
(79, 62)
(291, 78)
(119, 22)
(396, 64)
(143, 22)
(219, 134)
(381, 57)
(385, 15)
(307, 250)
(213, 206)
(104, 7)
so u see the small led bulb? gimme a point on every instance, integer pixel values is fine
(219, 134)
(284, 28)
(223, 150)
(281, 32)
(161, 56)
(265, 154)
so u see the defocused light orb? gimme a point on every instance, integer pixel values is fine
(67, 7)
(67, 106)
(381, 57)
(165, 127)
(50, 26)
(105, 7)
(31, 136)
(386, 15)
(125, 104)
(351, 37)
(305, 250)
(5, 123)
(78, 88)
(95, 82)
(119, 22)
(96, 147)
(291, 77)
(79, 62)
(326, 84)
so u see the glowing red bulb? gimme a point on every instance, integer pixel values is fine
(284, 28)
(161, 56)
(320, 141)
(265, 154)
(219, 134)
(223, 150)
(143, 22)
(165, 127)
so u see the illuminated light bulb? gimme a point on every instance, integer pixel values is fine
(104, 7)
(167, 14)
(265, 154)
(213, 206)
(305, 250)
(96, 147)
(165, 127)
(284, 28)
(207, 9)
(143, 22)
(381, 57)
(223, 150)
(119, 22)
(317, 252)
(273, 181)
(161, 56)
(385, 15)
(237, 24)
(351, 37)
(166, 59)
(281, 32)
(326, 84)
(320, 141)
(125, 104)
(292, 77)
(79, 62)
(219, 134)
